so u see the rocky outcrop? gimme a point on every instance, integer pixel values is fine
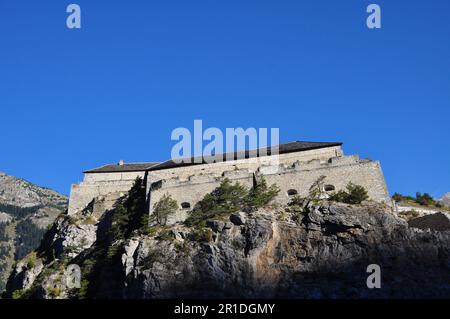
(71, 236)
(25, 273)
(438, 221)
(5, 218)
(319, 251)
(324, 256)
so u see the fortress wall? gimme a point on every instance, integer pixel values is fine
(364, 173)
(235, 170)
(104, 177)
(99, 184)
(189, 184)
(191, 192)
(339, 171)
(252, 165)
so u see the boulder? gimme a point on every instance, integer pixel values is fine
(216, 225)
(238, 218)
(438, 221)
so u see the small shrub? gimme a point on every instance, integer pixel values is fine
(182, 247)
(261, 194)
(129, 213)
(230, 198)
(164, 208)
(54, 292)
(355, 194)
(84, 286)
(114, 251)
(340, 196)
(226, 199)
(408, 215)
(90, 221)
(297, 200)
(202, 235)
(152, 231)
(166, 235)
(400, 198)
(425, 199)
(282, 216)
(31, 261)
(17, 294)
(119, 223)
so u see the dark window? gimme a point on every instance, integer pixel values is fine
(292, 192)
(329, 188)
(185, 205)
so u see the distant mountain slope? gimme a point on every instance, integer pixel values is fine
(26, 210)
(18, 192)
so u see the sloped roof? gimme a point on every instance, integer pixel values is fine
(291, 147)
(297, 146)
(126, 167)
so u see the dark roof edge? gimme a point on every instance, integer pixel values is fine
(328, 144)
(94, 171)
(153, 166)
(192, 163)
(124, 170)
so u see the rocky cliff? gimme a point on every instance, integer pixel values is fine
(26, 210)
(319, 250)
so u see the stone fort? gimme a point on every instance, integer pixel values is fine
(295, 167)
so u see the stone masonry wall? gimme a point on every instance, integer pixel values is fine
(293, 174)
(99, 184)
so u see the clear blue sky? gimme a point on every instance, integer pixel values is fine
(76, 99)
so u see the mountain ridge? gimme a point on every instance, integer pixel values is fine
(26, 210)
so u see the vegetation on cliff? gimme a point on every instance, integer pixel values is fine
(229, 198)
(425, 200)
(164, 208)
(354, 194)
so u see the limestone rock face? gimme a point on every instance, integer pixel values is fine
(72, 237)
(325, 256)
(5, 218)
(321, 251)
(66, 240)
(25, 274)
